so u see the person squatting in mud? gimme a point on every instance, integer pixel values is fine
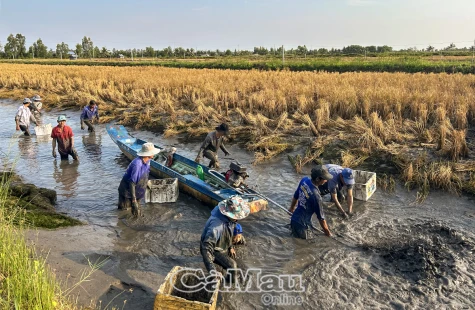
(236, 175)
(134, 182)
(220, 234)
(214, 141)
(23, 117)
(306, 202)
(238, 237)
(64, 137)
(89, 113)
(340, 177)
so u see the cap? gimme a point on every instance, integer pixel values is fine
(348, 177)
(61, 118)
(321, 172)
(26, 101)
(237, 229)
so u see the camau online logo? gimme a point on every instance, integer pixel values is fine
(250, 281)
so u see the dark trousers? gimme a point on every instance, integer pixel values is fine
(222, 259)
(324, 190)
(25, 129)
(213, 158)
(90, 126)
(298, 230)
(72, 152)
(124, 203)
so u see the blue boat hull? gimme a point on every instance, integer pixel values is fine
(210, 191)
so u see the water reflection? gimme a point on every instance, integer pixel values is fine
(43, 139)
(93, 145)
(28, 149)
(66, 173)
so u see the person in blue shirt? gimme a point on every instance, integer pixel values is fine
(340, 177)
(307, 201)
(216, 245)
(134, 182)
(89, 113)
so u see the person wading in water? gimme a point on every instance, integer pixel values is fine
(23, 117)
(35, 108)
(134, 182)
(307, 201)
(64, 137)
(89, 113)
(214, 140)
(217, 238)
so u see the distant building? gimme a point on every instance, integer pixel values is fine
(73, 57)
(120, 56)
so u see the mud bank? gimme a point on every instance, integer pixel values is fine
(37, 203)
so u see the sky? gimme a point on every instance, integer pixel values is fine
(241, 24)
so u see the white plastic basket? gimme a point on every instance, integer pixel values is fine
(162, 190)
(365, 184)
(43, 130)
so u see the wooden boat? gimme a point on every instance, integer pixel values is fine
(210, 191)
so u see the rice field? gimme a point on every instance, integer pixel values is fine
(389, 63)
(417, 124)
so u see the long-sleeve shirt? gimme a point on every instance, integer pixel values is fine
(35, 105)
(88, 114)
(217, 236)
(309, 202)
(212, 143)
(23, 115)
(137, 172)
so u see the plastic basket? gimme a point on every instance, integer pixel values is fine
(162, 190)
(168, 296)
(365, 184)
(44, 130)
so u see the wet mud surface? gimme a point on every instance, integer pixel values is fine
(392, 254)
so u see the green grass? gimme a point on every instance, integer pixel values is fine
(410, 64)
(25, 282)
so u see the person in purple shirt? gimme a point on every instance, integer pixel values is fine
(307, 201)
(89, 113)
(134, 182)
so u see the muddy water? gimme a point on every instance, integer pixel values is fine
(390, 254)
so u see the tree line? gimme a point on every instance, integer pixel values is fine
(15, 48)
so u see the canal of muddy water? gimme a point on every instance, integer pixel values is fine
(393, 254)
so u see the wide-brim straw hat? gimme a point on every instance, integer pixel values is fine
(234, 207)
(148, 149)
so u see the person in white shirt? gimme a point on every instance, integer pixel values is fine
(23, 117)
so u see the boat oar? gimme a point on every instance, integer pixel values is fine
(272, 201)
